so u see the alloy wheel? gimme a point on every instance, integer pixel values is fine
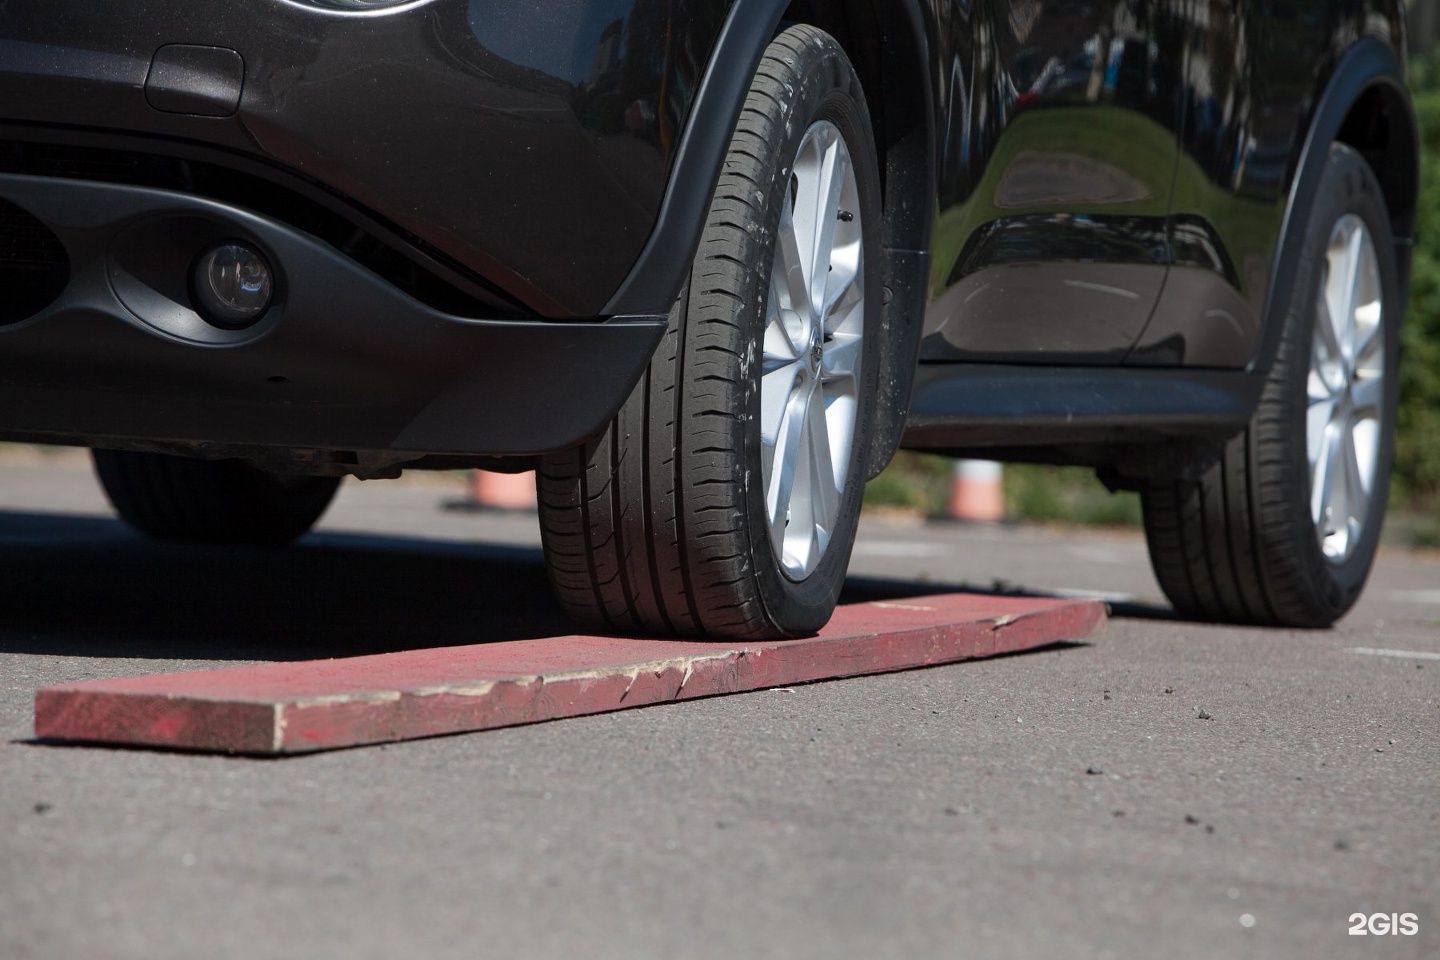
(1345, 390)
(809, 387)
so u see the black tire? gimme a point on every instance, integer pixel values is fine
(1240, 544)
(210, 501)
(659, 525)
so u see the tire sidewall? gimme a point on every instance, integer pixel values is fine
(827, 89)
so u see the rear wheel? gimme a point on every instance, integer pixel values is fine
(722, 499)
(1283, 528)
(210, 501)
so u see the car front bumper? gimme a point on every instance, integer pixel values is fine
(342, 362)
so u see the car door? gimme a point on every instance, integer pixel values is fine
(1250, 73)
(1058, 154)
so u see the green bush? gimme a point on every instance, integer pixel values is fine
(1417, 453)
(1065, 495)
(920, 483)
(915, 482)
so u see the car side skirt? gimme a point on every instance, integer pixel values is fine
(1144, 422)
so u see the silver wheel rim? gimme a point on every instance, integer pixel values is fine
(814, 332)
(1346, 390)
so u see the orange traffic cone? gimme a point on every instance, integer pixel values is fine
(977, 491)
(502, 491)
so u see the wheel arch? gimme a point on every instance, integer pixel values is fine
(1364, 104)
(888, 44)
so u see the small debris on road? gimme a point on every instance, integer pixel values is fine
(43, 808)
(1094, 771)
(1169, 689)
(1204, 715)
(1191, 819)
(1341, 843)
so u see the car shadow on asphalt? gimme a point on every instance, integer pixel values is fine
(89, 586)
(869, 589)
(86, 586)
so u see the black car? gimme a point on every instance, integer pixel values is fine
(707, 264)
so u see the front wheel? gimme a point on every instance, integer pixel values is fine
(1282, 529)
(722, 500)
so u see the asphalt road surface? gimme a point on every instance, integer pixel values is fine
(1168, 789)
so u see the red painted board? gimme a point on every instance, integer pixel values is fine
(279, 708)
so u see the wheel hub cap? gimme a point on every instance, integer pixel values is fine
(814, 326)
(1345, 390)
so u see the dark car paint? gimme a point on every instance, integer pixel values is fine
(1125, 177)
(1266, 66)
(1076, 182)
(1064, 157)
(529, 142)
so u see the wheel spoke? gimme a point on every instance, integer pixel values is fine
(841, 288)
(847, 313)
(1369, 345)
(1368, 348)
(1322, 479)
(1317, 390)
(833, 169)
(1350, 282)
(1327, 344)
(786, 462)
(1366, 394)
(780, 333)
(824, 492)
(793, 260)
(1357, 497)
(841, 357)
(777, 389)
(798, 543)
(1317, 418)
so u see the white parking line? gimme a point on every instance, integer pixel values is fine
(897, 548)
(1096, 595)
(1414, 596)
(1407, 654)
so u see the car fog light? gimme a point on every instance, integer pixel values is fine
(232, 285)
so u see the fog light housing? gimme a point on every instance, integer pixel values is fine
(232, 284)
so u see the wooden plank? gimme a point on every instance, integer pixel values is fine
(281, 708)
